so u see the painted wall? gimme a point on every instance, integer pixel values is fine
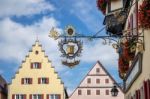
(55, 85)
(102, 86)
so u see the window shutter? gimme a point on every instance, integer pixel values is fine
(139, 94)
(30, 96)
(145, 90)
(31, 65)
(136, 15)
(42, 96)
(22, 80)
(30, 80)
(47, 80)
(128, 24)
(39, 80)
(148, 88)
(24, 96)
(13, 96)
(59, 97)
(39, 65)
(136, 94)
(131, 24)
(47, 96)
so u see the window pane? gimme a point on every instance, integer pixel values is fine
(106, 80)
(97, 81)
(79, 92)
(88, 80)
(107, 92)
(97, 92)
(88, 92)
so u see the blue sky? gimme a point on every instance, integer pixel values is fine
(22, 20)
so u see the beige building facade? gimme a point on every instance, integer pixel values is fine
(97, 84)
(36, 78)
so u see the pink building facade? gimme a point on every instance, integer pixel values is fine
(96, 85)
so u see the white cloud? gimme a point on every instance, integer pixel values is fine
(24, 7)
(17, 39)
(97, 51)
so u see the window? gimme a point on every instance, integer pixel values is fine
(106, 81)
(146, 88)
(35, 65)
(88, 92)
(79, 92)
(89, 80)
(36, 52)
(97, 70)
(26, 81)
(107, 92)
(97, 81)
(53, 96)
(19, 96)
(131, 24)
(36, 96)
(43, 80)
(97, 92)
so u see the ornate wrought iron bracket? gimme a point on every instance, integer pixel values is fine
(71, 46)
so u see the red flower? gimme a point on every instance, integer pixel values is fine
(144, 15)
(101, 4)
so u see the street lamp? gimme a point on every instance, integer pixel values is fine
(114, 91)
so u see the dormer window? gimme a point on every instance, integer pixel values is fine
(35, 65)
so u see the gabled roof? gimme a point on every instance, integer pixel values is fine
(109, 75)
(37, 43)
(98, 62)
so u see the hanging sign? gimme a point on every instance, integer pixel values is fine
(134, 72)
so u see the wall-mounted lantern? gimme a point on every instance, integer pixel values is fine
(114, 91)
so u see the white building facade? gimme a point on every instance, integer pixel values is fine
(97, 84)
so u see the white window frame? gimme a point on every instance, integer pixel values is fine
(36, 65)
(19, 96)
(53, 96)
(26, 80)
(36, 96)
(43, 80)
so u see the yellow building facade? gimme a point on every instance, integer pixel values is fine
(36, 78)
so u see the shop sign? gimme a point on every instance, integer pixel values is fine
(134, 72)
